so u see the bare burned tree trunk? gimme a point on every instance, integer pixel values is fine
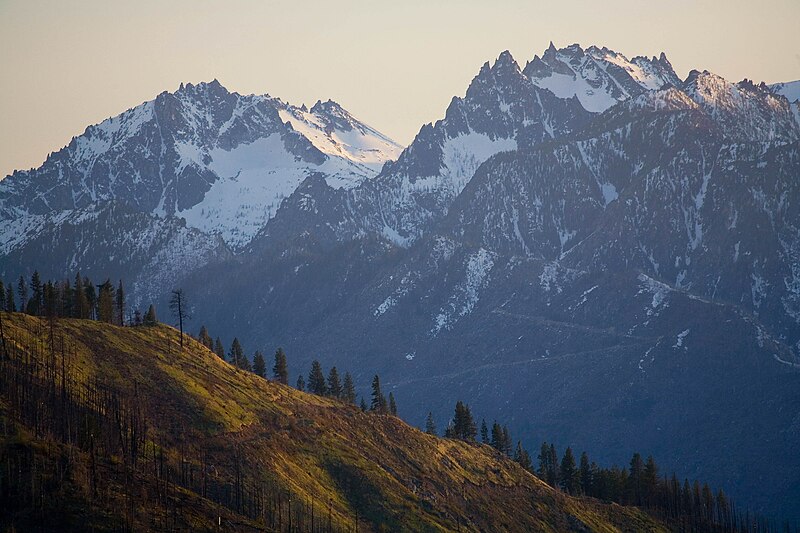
(179, 307)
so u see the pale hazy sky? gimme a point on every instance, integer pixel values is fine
(65, 64)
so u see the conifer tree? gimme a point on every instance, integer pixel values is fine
(280, 369)
(236, 353)
(105, 302)
(506, 441)
(363, 405)
(49, 304)
(697, 502)
(205, 339)
(80, 306)
(2, 296)
(22, 291)
(686, 497)
(150, 317)
(484, 432)
(649, 481)
(430, 425)
(301, 383)
(570, 477)
(219, 349)
(392, 405)
(316, 379)
(553, 474)
(137, 318)
(586, 474)
(470, 427)
(91, 297)
(463, 424)
(378, 404)
(349, 389)
(544, 462)
(497, 437)
(635, 480)
(120, 304)
(259, 365)
(66, 297)
(34, 305)
(334, 383)
(723, 509)
(11, 305)
(707, 504)
(522, 457)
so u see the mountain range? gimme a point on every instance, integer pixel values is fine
(588, 247)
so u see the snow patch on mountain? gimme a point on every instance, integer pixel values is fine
(403, 288)
(598, 77)
(253, 179)
(789, 89)
(467, 293)
(659, 292)
(566, 85)
(679, 340)
(461, 157)
(351, 140)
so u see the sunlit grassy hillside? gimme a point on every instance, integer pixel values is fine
(118, 428)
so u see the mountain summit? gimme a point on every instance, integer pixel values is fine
(220, 160)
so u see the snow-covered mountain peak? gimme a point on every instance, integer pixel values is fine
(221, 160)
(598, 77)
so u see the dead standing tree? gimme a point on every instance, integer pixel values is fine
(180, 309)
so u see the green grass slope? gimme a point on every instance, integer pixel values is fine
(217, 445)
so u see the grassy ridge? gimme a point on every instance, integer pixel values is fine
(351, 466)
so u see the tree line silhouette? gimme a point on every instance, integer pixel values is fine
(687, 506)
